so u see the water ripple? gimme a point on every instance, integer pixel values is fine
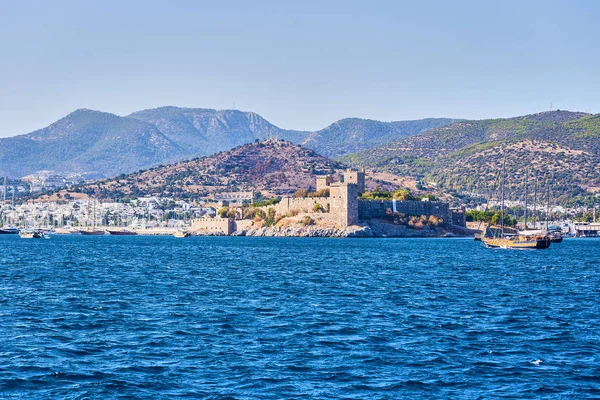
(245, 318)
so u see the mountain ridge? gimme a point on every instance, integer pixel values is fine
(561, 147)
(99, 144)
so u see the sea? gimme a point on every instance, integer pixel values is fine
(134, 317)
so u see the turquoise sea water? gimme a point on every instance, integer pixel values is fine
(246, 318)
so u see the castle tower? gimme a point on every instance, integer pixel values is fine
(323, 181)
(356, 177)
(343, 197)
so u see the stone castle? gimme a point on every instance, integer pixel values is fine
(342, 206)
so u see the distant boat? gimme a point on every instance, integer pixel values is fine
(94, 232)
(182, 234)
(9, 231)
(122, 232)
(555, 235)
(31, 234)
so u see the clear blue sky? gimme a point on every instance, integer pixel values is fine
(300, 64)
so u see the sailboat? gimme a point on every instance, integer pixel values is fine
(32, 233)
(502, 237)
(92, 231)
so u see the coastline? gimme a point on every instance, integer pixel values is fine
(370, 229)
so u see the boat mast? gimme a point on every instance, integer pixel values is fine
(535, 200)
(502, 190)
(547, 207)
(526, 181)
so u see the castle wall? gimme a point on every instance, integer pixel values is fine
(323, 181)
(241, 224)
(295, 203)
(458, 218)
(369, 209)
(216, 225)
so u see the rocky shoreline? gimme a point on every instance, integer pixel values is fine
(373, 228)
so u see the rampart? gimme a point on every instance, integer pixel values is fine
(369, 209)
(214, 225)
(301, 204)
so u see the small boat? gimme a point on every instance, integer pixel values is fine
(122, 232)
(555, 233)
(556, 237)
(182, 234)
(94, 232)
(31, 234)
(9, 231)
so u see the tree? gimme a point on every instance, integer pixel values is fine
(301, 193)
(402, 194)
(231, 213)
(508, 220)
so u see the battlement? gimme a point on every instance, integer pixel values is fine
(213, 225)
(323, 181)
(356, 177)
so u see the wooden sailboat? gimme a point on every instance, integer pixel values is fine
(92, 230)
(32, 233)
(500, 237)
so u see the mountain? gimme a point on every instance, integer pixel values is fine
(354, 134)
(206, 131)
(88, 142)
(272, 165)
(98, 144)
(561, 147)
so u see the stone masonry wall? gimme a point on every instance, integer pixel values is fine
(296, 203)
(344, 203)
(368, 209)
(214, 225)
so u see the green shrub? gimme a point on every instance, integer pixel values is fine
(307, 221)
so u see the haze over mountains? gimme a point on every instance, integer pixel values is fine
(100, 144)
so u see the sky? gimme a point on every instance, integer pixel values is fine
(300, 64)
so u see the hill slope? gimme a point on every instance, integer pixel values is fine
(272, 165)
(354, 134)
(560, 146)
